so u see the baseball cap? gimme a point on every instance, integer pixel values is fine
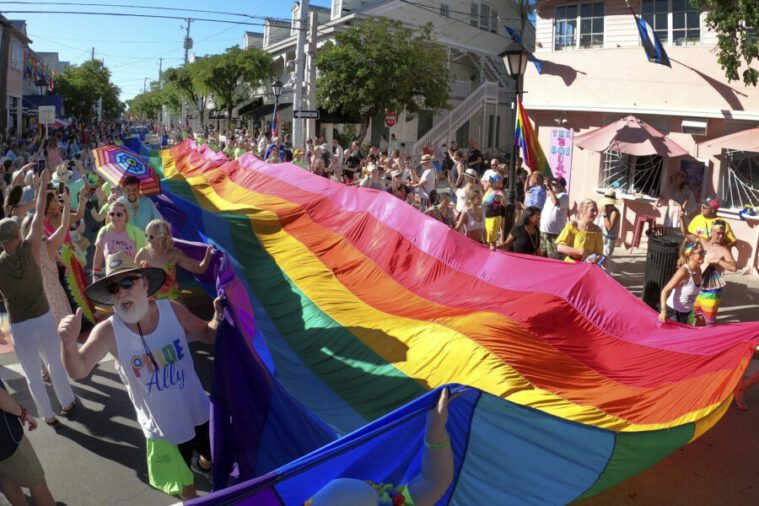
(711, 202)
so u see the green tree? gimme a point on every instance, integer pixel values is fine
(378, 65)
(226, 74)
(181, 83)
(147, 105)
(736, 23)
(83, 85)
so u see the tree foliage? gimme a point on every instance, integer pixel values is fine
(378, 65)
(225, 74)
(147, 105)
(736, 23)
(180, 84)
(83, 85)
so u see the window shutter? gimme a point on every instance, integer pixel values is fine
(485, 17)
(474, 19)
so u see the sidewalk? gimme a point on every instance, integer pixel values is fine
(740, 298)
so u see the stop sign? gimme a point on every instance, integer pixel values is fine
(391, 117)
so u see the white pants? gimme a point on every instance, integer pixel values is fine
(35, 339)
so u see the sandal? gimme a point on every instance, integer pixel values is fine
(53, 422)
(45, 376)
(68, 409)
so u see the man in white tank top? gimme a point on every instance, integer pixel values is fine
(149, 340)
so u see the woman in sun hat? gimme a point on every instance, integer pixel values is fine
(609, 221)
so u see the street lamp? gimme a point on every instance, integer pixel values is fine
(277, 89)
(41, 85)
(515, 58)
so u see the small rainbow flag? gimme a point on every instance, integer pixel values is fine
(525, 137)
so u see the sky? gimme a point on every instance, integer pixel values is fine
(130, 46)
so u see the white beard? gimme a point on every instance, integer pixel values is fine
(135, 312)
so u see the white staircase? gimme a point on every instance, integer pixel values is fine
(453, 119)
(493, 65)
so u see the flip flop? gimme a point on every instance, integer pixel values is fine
(54, 423)
(68, 409)
(740, 405)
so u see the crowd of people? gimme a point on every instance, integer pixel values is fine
(62, 222)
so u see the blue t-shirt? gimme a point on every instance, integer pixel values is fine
(146, 211)
(535, 196)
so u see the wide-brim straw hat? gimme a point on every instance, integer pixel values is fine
(119, 264)
(471, 173)
(609, 198)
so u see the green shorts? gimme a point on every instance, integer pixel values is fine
(167, 470)
(23, 467)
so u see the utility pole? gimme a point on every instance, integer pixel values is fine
(160, 85)
(313, 19)
(299, 140)
(93, 54)
(187, 47)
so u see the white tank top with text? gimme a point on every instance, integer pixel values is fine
(165, 390)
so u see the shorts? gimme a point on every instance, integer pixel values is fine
(169, 464)
(492, 227)
(23, 467)
(548, 245)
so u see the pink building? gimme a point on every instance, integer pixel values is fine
(596, 72)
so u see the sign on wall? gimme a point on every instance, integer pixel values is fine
(47, 114)
(560, 153)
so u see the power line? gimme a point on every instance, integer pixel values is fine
(154, 16)
(146, 7)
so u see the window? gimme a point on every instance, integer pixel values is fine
(675, 21)
(579, 26)
(445, 10)
(481, 16)
(631, 174)
(686, 24)
(739, 185)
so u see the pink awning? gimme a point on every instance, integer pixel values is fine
(630, 136)
(745, 140)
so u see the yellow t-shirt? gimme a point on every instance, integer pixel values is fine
(589, 241)
(702, 227)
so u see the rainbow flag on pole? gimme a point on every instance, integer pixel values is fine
(525, 138)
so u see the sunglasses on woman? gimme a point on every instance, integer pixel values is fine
(123, 283)
(116, 214)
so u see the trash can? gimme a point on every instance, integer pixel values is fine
(661, 264)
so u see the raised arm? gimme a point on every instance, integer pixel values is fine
(428, 487)
(190, 265)
(80, 361)
(198, 328)
(55, 241)
(34, 236)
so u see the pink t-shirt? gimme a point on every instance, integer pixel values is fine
(112, 242)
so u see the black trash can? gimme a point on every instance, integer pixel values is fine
(661, 264)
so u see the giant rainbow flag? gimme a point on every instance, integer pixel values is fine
(363, 306)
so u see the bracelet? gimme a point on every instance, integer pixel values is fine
(436, 446)
(23, 413)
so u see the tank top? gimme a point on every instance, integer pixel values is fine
(472, 223)
(169, 399)
(21, 284)
(682, 297)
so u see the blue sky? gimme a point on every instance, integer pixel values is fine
(131, 46)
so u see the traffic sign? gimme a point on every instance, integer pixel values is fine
(391, 117)
(306, 114)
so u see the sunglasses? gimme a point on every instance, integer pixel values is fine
(116, 214)
(125, 283)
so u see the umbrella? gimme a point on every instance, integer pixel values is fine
(114, 163)
(745, 140)
(630, 136)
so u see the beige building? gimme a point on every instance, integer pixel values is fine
(595, 72)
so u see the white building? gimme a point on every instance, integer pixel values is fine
(472, 34)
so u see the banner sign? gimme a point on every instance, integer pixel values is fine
(560, 153)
